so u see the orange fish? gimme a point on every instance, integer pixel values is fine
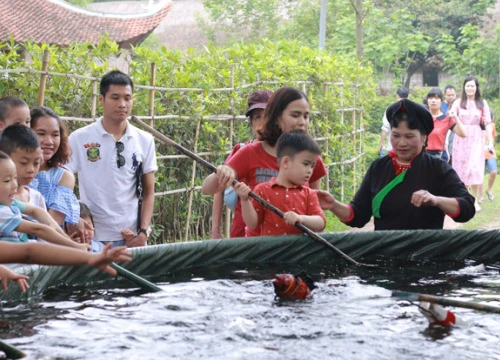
(293, 287)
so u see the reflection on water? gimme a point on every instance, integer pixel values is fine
(232, 314)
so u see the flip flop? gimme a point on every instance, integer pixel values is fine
(490, 195)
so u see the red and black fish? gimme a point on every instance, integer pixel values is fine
(293, 287)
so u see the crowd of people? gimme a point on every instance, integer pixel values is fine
(422, 175)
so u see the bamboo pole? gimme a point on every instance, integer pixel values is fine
(227, 213)
(43, 77)
(354, 187)
(193, 176)
(152, 82)
(95, 96)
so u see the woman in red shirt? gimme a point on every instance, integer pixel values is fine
(287, 110)
(436, 143)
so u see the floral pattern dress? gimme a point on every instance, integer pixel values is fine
(468, 152)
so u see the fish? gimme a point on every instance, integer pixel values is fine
(293, 287)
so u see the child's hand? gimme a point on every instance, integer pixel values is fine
(291, 218)
(108, 255)
(226, 175)
(127, 234)
(242, 190)
(6, 274)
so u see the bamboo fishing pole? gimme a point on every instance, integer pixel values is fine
(411, 296)
(263, 202)
(11, 352)
(136, 279)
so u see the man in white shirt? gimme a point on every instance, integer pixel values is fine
(108, 156)
(385, 143)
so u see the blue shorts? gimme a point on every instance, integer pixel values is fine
(491, 165)
(115, 243)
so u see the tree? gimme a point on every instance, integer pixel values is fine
(397, 37)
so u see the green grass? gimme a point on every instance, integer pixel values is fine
(488, 216)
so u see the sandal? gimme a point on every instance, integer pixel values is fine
(481, 200)
(477, 207)
(490, 195)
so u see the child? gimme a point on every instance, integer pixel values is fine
(255, 113)
(11, 221)
(13, 110)
(297, 154)
(48, 254)
(54, 183)
(88, 220)
(21, 144)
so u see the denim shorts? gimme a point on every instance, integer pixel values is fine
(115, 243)
(491, 165)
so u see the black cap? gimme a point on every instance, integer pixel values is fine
(416, 112)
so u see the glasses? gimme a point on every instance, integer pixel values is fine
(120, 160)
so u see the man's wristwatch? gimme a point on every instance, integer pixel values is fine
(144, 231)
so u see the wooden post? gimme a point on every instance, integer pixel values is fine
(354, 133)
(95, 96)
(227, 213)
(152, 82)
(193, 175)
(43, 77)
(326, 150)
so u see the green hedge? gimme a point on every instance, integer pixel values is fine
(277, 62)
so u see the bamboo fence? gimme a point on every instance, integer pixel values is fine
(348, 114)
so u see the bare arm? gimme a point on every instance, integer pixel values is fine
(217, 205)
(47, 233)
(215, 183)
(248, 212)
(328, 202)
(459, 128)
(42, 216)
(48, 254)
(313, 222)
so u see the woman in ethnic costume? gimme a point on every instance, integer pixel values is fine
(409, 188)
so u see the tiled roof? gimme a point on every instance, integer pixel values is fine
(55, 22)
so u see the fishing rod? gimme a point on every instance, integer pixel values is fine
(440, 300)
(260, 200)
(136, 279)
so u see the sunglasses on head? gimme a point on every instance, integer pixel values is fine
(120, 159)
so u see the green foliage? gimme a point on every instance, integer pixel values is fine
(399, 37)
(277, 63)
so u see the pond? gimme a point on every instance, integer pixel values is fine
(232, 313)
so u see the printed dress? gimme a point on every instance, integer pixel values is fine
(468, 152)
(57, 197)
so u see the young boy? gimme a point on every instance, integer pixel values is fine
(13, 110)
(11, 221)
(88, 220)
(297, 153)
(21, 144)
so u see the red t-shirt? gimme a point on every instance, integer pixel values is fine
(254, 165)
(299, 199)
(437, 137)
